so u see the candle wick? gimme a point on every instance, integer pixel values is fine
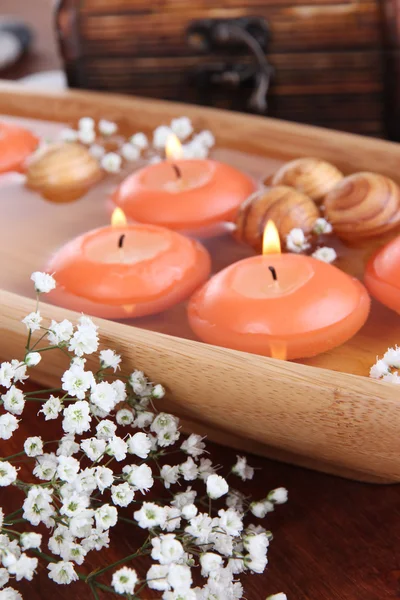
(121, 248)
(121, 241)
(273, 273)
(177, 171)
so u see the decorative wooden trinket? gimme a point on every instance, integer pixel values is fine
(311, 176)
(63, 172)
(283, 205)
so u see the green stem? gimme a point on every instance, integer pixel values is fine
(43, 391)
(119, 562)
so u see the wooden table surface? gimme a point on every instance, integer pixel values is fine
(334, 540)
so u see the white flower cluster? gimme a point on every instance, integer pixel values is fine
(77, 486)
(297, 242)
(387, 368)
(96, 135)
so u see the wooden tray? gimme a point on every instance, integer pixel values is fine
(331, 418)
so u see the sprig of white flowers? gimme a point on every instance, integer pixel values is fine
(298, 242)
(113, 447)
(387, 368)
(97, 135)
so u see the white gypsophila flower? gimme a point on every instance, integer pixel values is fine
(1, 518)
(325, 254)
(14, 400)
(170, 475)
(182, 127)
(256, 544)
(392, 357)
(242, 469)
(32, 321)
(8, 473)
(74, 504)
(156, 578)
(322, 226)
(117, 448)
(181, 595)
(43, 282)
(32, 359)
(10, 593)
(111, 162)
(19, 370)
(93, 448)
(189, 511)
(106, 516)
(236, 566)
(150, 515)
(262, 508)
(8, 424)
(105, 430)
(217, 486)
(82, 525)
(98, 412)
(139, 444)
(184, 498)
(141, 477)
(74, 552)
(189, 469)
(76, 417)
(4, 578)
(222, 543)
(210, 563)
(97, 540)
(107, 127)
(51, 408)
(230, 521)
(179, 577)
(296, 241)
(61, 537)
(194, 445)
(124, 580)
(68, 135)
(67, 446)
(279, 596)
(140, 140)
(7, 372)
(30, 540)
(104, 477)
(37, 506)
(85, 339)
(86, 124)
(278, 496)
(173, 519)
(200, 527)
(120, 390)
(194, 150)
(130, 152)
(206, 138)
(104, 396)
(76, 381)
(109, 359)
(154, 160)
(62, 572)
(235, 499)
(33, 446)
(60, 333)
(158, 391)
(87, 136)
(125, 416)
(23, 568)
(46, 466)
(143, 419)
(160, 136)
(166, 428)
(257, 565)
(166, 549)
(392, 378)
(139, 383)
(86, 481)
(97, 151)
(67, 468)
(122, 494)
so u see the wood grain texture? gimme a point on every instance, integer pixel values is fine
(333, 540)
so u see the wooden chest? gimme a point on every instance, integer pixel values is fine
(334, 62)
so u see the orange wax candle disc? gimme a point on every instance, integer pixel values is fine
(310, 307)
(16, 144)
(185, 195)
(382, 275)
(127, 271)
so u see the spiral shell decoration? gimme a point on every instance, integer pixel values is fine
(363, 205)
(311, 176)
(285, 206)
(63, 172)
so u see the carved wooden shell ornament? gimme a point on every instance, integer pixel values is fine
(310, 176)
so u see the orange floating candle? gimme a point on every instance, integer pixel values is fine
(281, 305)
(382, 275)
(186, 195)
(126, 271)
(16, 144)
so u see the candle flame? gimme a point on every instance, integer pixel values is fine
(118, 218)
(173, 147)
(271, 241)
